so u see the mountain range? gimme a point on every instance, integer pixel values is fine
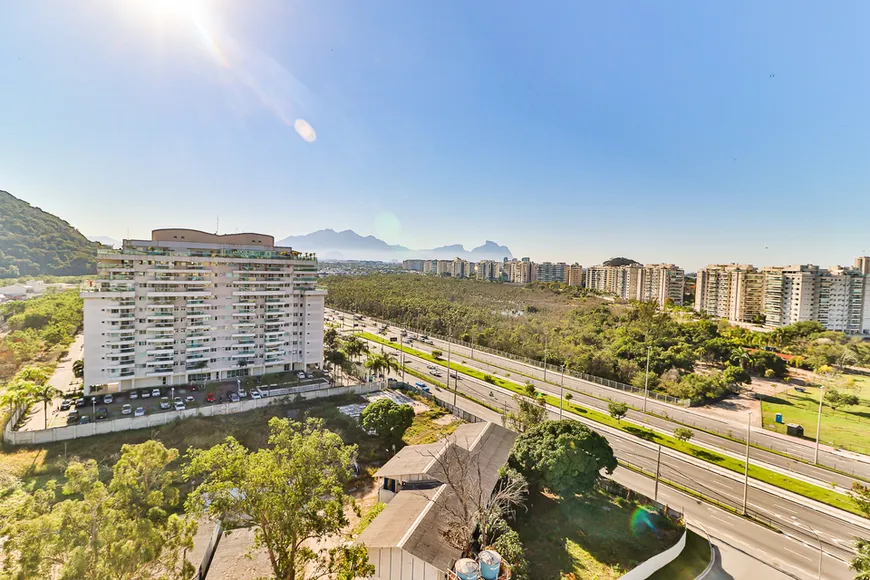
(349, 245)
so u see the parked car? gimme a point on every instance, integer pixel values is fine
(255, 394)
(209, 398)
(146, 393)
(155, 392)
(177, 400)
(189, 399)
(193, 388)
(139, 412)
(234, 397)
(126, 409)
(164, 403)
(300, 374)
(107, 399)
(242, 392)
(73, 417)
(80, 402)
(84, 420)
(102, 413)
(179, 406)
(134, 394)
(65, 405)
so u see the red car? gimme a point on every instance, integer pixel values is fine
(209, 398)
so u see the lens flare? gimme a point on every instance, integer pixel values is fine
(641, 522)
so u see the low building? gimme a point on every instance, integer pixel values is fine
(407, 540)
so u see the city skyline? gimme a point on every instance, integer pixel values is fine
(684, 134)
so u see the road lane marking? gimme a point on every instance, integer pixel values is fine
(796, 553)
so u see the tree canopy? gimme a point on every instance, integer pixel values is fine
(388, 419)
(121, 531)
(291, 492)
(34, 242)
(564, 456)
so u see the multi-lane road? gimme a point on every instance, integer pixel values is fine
(802, 519)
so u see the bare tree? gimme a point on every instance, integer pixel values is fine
(476, 494)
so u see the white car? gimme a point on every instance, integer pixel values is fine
(146, 394)
(189, 399)
(134, 394)
(431, 367)
(139, 412)
(164, 403)
(126, 409)
(155, 392)
(242, 393)
(177, 401)
(180, 407)
(107, 399)
(255, 394)
(300, 374)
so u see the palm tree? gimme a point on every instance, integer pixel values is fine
(354, 347)
(45, 394)
(378, 363)
(861, 562)
(78, 369)
(336, 358)
(16, 395)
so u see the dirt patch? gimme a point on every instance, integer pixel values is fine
(446, 420)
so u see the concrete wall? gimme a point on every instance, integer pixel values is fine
(130, 423)
(646, 569)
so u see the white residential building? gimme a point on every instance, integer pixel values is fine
(550, 272)
(732, 291)
(654, 282)
(188, 306)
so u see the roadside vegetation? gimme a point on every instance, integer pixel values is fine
(695, 358)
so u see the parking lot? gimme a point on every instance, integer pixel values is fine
(148, 401)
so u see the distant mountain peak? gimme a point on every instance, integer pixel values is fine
(352, 245)
(621, 262)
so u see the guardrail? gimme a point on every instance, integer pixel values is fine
(129, 423)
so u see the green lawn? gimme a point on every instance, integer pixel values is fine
(598, 536)
(822, 494)
(690, 563)
(848, 427)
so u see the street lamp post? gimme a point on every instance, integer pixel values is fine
(658, 470)
(561, 392)
(646, 381)
(546, 343)
(746, 466)
(449, 349)
(818, 539)
(819, 424)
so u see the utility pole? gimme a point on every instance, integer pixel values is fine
(819, 424)
(402, 363)
(746, 462)
(646, 381)
(455, 385)
(561, 392)
(818, 539)
(658, 470)
(546, 341)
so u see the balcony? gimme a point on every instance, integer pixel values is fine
(122, 341)
(245, 314)
(159, 372)
(243, 324)
(263, 292)
(160, 340)
(244, 355)
(163, 362)
(276, 332)
(122, 365)
(161, 316)
(198, 348)
(198, 281)
(121, 330)
(179, 293)
(244, 335)
(198, 314)
(163, 328)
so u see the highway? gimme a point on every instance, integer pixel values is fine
(795, 554)
(783, 510)
(591, 394)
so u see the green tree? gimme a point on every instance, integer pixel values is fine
(837, 399)
(380, 363)
(437, 354)
(617, 410)
(98, 533)
(291, 491)
(350, 561)
(354, 347)
(861, 562)
(683, 434)
(563, 456)
(44, 393)
(78, 369)
(330, 338)
(735, 376)
(529, 413)
(336, 358)
(388, 419)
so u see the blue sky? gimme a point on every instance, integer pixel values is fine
(566, 130)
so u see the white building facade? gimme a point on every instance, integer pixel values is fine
(188, 306)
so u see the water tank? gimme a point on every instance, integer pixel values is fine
(490, 564)
(467, 569)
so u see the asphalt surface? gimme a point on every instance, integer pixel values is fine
(781, 509)
(591, 394)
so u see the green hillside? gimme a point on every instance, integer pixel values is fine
(33, 243)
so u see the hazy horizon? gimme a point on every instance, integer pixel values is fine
(685, 133)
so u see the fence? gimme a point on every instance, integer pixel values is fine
(540, 365)
(649, 567)
(130, 423)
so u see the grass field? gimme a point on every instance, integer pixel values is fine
(37, 464)
(848, 427)
(598, 536)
